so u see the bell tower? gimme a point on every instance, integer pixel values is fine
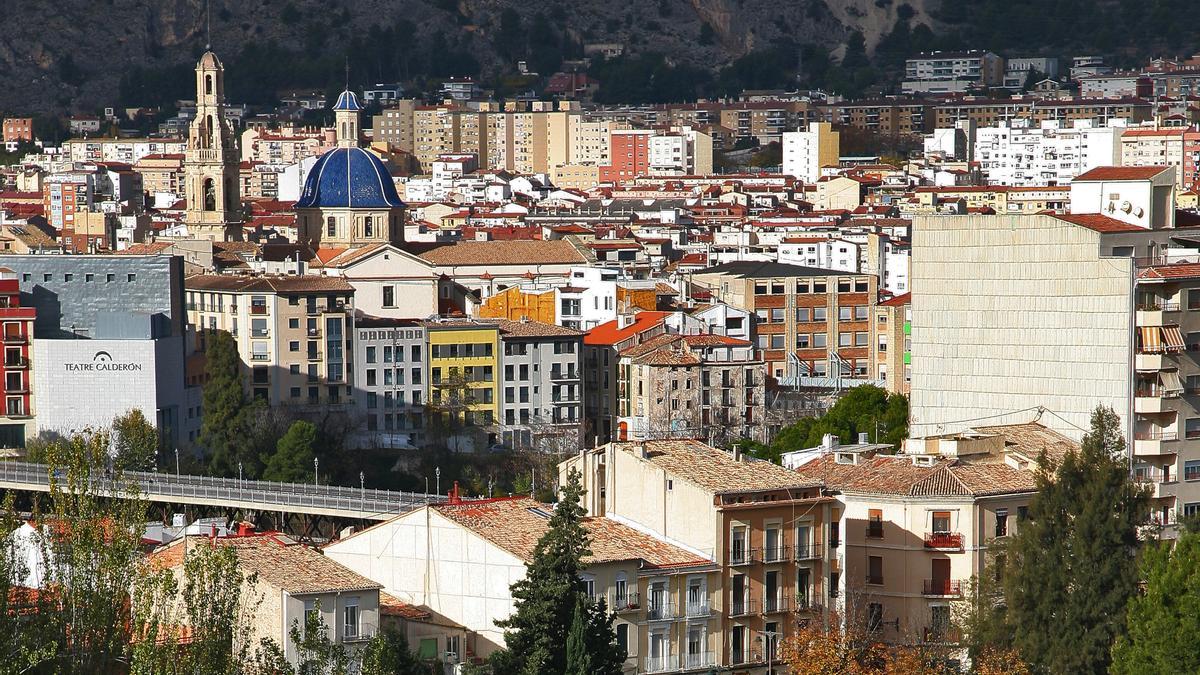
(210, 165)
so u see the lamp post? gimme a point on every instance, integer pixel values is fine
(438, 474)
(316, 476)
(362, 486)
(177, 462)
(768, 654)
(239, 472)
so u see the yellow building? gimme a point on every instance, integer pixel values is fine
(463, 364)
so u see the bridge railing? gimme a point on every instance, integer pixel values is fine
(267, 495)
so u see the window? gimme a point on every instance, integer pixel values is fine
(389, 296)
(312, 612)
(1191, 509)
(843, 285)
(860, 339)
(875, 569)
(1193, 298)
(330, 226)
(819, 287)
(818, 314)
(370, 355)
(350, 618)
(623, 637)
(294, 346)
(802, 340)
(860, 313)
(820, 340)
(875, 523)
(802, 314)
(801, 286)
(844, 313)
(1191, 470)
(844, 339)
(1001, 522)
(777, 316)
(941, 521)
(777, 341)
(1191, 428)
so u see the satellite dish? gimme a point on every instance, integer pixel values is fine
(1126, 207)
(1139, 212)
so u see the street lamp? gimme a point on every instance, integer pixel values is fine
(316, 477)
(437, 472)
(176, 461)
(769, 653)
(239, 472)
(362, 486)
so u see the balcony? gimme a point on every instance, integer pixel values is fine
(875, 530)
(1154, 442)
(697, 609)
(258, 309)
(260, 332)
(662, 611)
(260, 357)
(699, 660)
(15, 339)
(1146, 363)
(775, 605)
(743, 556)
(942, 588)
(944, 541)
(939, 635)
(804, 603)
(808, 551)
(623, 603)
(661, 664)
(314, 332)
(743, 657)
(774, 554)
(1152, 314)
(743, 607)
(16, 362)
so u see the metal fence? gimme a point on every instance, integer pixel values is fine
(266, 495)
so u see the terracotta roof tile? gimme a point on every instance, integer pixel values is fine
(1121, 173)
(506, 252)
(521, 329)
(271, 284)
(610, 333)
(715, 470)
(1098, 222)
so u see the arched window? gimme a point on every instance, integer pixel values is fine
(330, 227)
(208, 85)
(344, 134)
(368, 227)
(212, 133)
(210, 195)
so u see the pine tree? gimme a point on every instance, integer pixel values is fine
(1072, 568)
(1164, 620)
(223, 430)
(604, 655)
(293, 458)
(545, 600)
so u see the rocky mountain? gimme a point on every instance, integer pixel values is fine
(72, 55)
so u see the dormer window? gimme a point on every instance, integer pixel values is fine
(922, 460)
(846, 458)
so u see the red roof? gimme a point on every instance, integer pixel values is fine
(1177, 271)
(611, 333)
(1121, 173)
(898, 301)
(1098, 222)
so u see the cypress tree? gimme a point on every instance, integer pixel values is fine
(605, 656)
(1162, 623)
(1072, 566)
(545, 600)
(223, 430)
(578, 662)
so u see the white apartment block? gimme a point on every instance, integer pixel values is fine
(1154, 147)
(805, 152)
(1020, 153)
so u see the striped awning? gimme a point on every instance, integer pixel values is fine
(1152, 342)
(1170, 381)
(1173, 338)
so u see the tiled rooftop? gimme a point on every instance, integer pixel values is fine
(897, 475)
(509, 252)
(715, 470)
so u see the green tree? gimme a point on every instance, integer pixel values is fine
(135, 441)
(545, 601)
(1072, 568)
(387, 654)
(23, 643)
(293, 458)
(579, 662)
(224, 428)
(865, 409)
(1161, 621)
(316, 653)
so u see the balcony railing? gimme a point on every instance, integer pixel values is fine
(1155, 435)
(14, 339)
(776, 553)
(808, 551)
(699, 660)
(942, 587)
(805, 603)
(1159, 306)
(258, 309)
(944, 540)
(773, 605)
(697, 609)
(874, 530)
(623, 603)
(662, 664)
(665, 609)
(260, 357)
(16, 362)
(742, 607)
(744, 556)
(742, 657)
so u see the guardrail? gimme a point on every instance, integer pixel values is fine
(370, 504)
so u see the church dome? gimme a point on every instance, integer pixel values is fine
(347, 101)
(349, 178)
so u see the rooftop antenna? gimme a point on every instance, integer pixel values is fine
(347, 72)
(208, 25)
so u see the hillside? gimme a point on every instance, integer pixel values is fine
(78, 55)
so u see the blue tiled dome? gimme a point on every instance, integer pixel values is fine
(347, 101)
(349, 178)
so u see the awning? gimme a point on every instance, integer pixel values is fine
(1173, 338)
(1152, 342)
(1170, 381)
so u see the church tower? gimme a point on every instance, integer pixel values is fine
(210, 165)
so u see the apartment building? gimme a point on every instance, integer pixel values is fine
(806, 152)
(887, 116)
(941, 72)
(984, 300)
(892, 357)
(629, 152)
(1154, 147)
(464, 362)
(390, 380)
(66, 196)
(161, 173)
(602, 345)
(125, 150)
(542, 406)
(816, 321)
(1020, 152)
(771, 533)
(989, 112)
(459, 559)
(685, 386)
(917, 526)
(17, 129)
(16, 419)
(294, 333)
(394, 125)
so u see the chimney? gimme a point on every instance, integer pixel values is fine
(737, 452)
(829, 442)
(645, 454)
